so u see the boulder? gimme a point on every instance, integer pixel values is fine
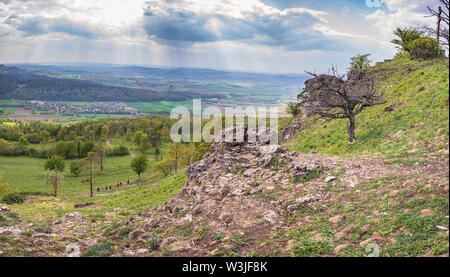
(265, 161)
(73, 217)
(271, 149)
(300, 201)
(301, 170)
(290, 131)
(250, 172)
(271, 217)
(5, 209)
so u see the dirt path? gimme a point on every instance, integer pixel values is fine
(84, 195)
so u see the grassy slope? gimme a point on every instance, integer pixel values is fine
(419, 123)
(32, 175)
(119, 204)
(409, 136)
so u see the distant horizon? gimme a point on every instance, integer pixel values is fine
(147, 66)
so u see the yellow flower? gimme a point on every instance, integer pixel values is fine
(145, 241)
(115, 246)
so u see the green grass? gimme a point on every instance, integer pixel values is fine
(123, 201)
(101, 249)
(142, 196)
(159, 106)
(27, 174)
(417, 90)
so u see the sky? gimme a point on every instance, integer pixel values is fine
(269, 36)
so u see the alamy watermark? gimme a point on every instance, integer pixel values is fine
(373, 250)
(261, 122)
(374, 3)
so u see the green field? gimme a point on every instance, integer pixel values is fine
(27, 174)
(159, 106)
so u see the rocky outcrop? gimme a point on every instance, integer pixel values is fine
(237, 187)
(290, 131)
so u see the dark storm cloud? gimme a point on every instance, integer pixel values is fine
(32, 26)
(290, 30)
(180, 26)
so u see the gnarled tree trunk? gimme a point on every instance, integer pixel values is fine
(351, 129)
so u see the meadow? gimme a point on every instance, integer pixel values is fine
(27, 174)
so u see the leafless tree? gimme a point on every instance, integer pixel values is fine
(340, 96)
(91, 162)
(441, 31)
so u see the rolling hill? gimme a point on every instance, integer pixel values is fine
(18, 83)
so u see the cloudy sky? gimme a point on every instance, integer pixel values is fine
(274, 36)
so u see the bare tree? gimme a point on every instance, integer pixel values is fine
(101, 153)
(340, 96)
(441, 31)
(91, 162)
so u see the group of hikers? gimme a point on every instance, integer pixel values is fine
(119, 184)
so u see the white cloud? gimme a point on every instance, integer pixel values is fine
(401, 13)
(268, 38)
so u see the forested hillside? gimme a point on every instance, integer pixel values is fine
(24, 84)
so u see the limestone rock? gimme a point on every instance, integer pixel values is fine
(5, 209)
(271, 217)
(250, 172)
(12, 230)
(271, 149)
(73, 217)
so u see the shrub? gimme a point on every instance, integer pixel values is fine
(35, 193)
(101, 249)
(3, 221)
(154, 242)
(117, 151)
(424, 48)
(43, 229)
(76, 168)
(218, 236)
(125, 231)
(13, 198)
(12, 215)
(27, 234)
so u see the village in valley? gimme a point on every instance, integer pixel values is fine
(71, 108)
